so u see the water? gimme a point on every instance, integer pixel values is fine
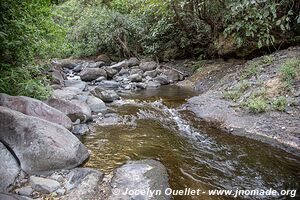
(196, 156)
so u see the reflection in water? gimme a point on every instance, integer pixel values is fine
(195, 156)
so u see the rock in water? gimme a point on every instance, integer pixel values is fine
(96, 104)
(90, 74)
(140, 175)
(35, 108)
(148, 66)
(40, 146)
(83, 183)
(9, 169)
(105, 95)
(43, 185)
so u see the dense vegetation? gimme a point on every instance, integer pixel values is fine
(36, 30)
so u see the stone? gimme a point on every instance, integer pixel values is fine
(152, 73)
(74, 109)
(111, 72)
(118, 66)
(96, 64)
(60, 191)
(109, 84)
(105, 95)
(162, 79)
(41, 146)
(135, 78)
(153, 84)
(142, 175)
(172, 75)
(57, 77)
(81, 85)
(148, 66)
(83, 183)
(36, 108)
(136, 71)
(90, 74)
(43, 185)
(26, 191)
(103, 57)
(81, 129)
(96, 105)
(65, 94)
(66, 63)
(9, 169)
(123, 72)
(13, 197)
(133, 62)
(101, 78)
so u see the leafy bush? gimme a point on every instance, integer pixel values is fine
(257, 105)
(280, 103)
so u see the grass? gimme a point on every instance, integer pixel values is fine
(257, 105)
(280, 103)
(253, 69)
(289, 71)
(236, 93)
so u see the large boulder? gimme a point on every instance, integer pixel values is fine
(36, 108)
(74, 109)
(66, 63)
(83, 183)
(135, 78)
(43, 185)
(13, 197)
(148, 66)
(106, 84)
(9, 169)
(40, 146)
(133, 62)
(81, 85)
(111, 72)
(90, 74)
(103, 57)
(96, 104)
(105, 95)
(118, 66)
(143, 175)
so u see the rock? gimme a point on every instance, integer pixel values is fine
(40, 146)
(74, 109)
(133, 62)
(110, 72)
(36, 108)
(153, 84)
(135, 78)
(109, 119)
(43, 185)
(142, 175)
(141, 85)
(60, 191)
(83, 183)
(148, 66)
(65, 94)
(96, 64)
(96, 104)
(57, 77)
(162, 79)
(57, 177)
(90, 74)
(81, 85)
(152, 73)
(99, 79)
(103, 57)
(105, 95)
(172, 75)
(67, 63)
(13, 197)
(9, 169)
(79, 68)
(136, 71)
(80, 129)
(26, 191)
(123, 72)
(106, 84)
(118, 66)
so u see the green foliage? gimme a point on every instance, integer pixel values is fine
(280, 103)
(289, 71)
(257, 105)
(253, 69)
(28, 32)
(236, 93)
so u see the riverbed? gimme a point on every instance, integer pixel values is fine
(156, 125)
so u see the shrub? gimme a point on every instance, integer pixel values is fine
(280, 103)
(257, 105)
(289, 71)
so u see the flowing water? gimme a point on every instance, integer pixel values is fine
(156, 125)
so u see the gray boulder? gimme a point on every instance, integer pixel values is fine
(96, 64)
(148, 66)
(123, 72)
(40, 146)
(90, 74)
(106, 84)
(81, 85)
(152, 73)
(65, 93)
(26, 191)
(105, 95)
(118, 66)
(133, 62)
(74, 109)
(172, 75)
(83, 183)
(162, 79)
(140, 175)
(43, 185)
(96, 104)
(111, 72)
(66, 63)
(9, 169)
(80, 129)
(135, 78)
(36, 108)
(13, 197)
(57, 77)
